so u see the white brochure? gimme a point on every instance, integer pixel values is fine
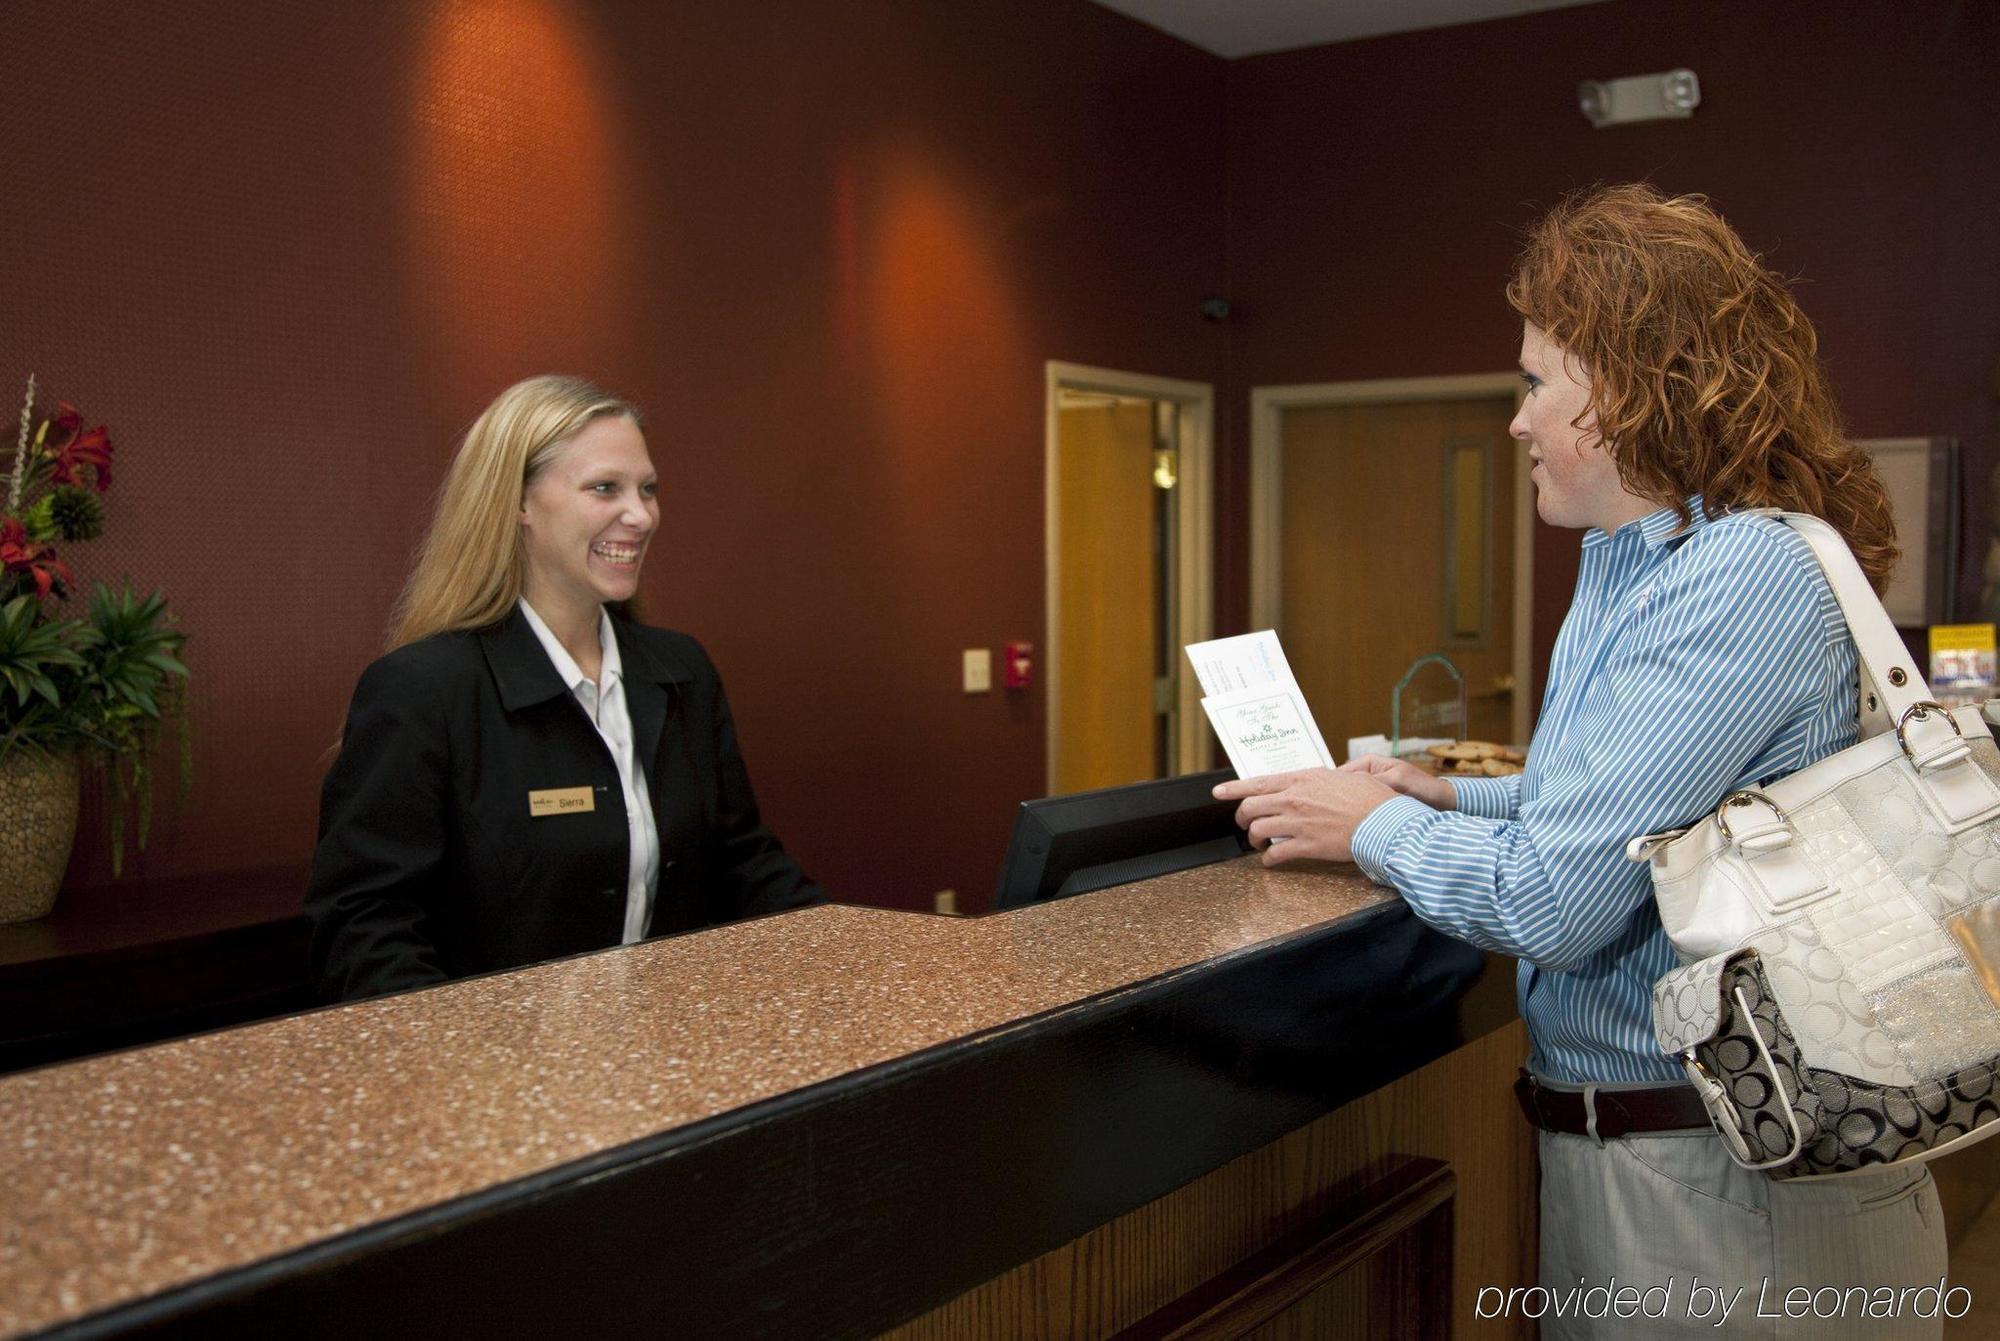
(1254, 704)
(1264, 731)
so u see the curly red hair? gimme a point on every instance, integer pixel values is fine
(1705, 374)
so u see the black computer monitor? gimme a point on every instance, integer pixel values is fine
(1067, 845)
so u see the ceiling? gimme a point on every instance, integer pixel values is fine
(1246, 27)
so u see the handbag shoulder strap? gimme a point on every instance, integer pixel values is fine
(1886, 663)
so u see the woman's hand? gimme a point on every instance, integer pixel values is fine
(1315, 812)
(1406, 778)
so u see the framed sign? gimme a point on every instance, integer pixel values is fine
(1921, 475)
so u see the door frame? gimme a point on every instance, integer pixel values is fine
(1195, 544)
(1267, 406)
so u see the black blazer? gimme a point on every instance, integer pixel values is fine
(429, 865)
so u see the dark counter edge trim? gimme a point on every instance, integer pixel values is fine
(187, 1303)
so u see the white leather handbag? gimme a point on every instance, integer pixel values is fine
(1838, 1008)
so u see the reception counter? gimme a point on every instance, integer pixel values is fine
(832, 1122)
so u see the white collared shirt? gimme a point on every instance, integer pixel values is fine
(603, 702)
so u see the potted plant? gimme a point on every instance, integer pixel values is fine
(96, 687)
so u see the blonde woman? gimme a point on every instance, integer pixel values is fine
(528, 772)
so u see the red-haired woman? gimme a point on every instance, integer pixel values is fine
(1673, 387)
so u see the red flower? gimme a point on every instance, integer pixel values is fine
(80, 447)
(18, 554)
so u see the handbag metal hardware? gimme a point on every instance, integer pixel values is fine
(1743, 796)
(1766, 841)
(1921, 711)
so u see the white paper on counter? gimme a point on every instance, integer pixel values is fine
(1264, 730)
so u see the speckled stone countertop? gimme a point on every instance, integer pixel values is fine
(129, 1174)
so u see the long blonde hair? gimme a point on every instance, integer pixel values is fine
(469, 569)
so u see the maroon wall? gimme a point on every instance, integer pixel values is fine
(1377, 190)
(287, 252)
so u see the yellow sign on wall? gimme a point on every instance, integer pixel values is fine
(1962, 663)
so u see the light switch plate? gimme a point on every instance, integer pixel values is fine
(978, 669)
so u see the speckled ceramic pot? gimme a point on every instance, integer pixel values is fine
(38, 794)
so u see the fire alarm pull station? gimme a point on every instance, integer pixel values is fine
(1020, 665)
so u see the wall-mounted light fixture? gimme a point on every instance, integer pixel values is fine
(1653, 97)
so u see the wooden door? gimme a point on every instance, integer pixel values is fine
(1108, 606)
(1394, 547)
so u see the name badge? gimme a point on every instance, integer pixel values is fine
(561, 801)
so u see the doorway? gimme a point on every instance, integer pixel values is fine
(1390, 520)
(1129, 538)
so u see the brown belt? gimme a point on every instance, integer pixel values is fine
(1619, 1112)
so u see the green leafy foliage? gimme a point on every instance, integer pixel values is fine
(131, 678)
(39, 519)
(34, 659)
(129, 650)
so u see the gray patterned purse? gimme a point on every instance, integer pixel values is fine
(1838, 1008)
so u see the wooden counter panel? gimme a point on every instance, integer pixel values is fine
(1459, 1109)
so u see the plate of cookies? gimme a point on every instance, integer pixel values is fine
(1475, 759)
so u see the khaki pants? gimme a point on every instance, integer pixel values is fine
(1671, 1214)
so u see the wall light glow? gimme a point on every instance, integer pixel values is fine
(518, 242)
(944, 328)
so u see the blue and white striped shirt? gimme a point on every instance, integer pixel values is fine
(1691, 663)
